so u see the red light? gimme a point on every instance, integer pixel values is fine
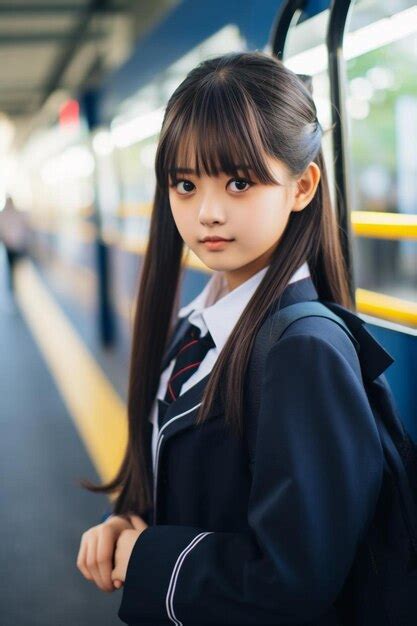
(69, 113)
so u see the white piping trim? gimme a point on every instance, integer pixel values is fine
(169, 601)
(159, 441)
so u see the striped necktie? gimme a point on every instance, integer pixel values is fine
(191, 352)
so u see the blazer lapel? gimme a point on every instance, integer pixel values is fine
(373, 357)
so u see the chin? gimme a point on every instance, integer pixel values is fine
(222, 266)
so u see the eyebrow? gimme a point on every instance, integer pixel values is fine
(188, 170)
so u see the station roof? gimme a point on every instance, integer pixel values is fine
(57, 48)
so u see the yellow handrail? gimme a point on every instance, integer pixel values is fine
(376, 224)
(386, 307)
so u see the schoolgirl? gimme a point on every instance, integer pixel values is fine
(224, 514)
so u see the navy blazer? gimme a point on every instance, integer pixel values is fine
(262, 530)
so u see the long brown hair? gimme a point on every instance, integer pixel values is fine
(235, 108)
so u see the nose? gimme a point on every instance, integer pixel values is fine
(211, 210)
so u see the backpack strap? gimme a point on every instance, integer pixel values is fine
(289, 314)
(271, 331)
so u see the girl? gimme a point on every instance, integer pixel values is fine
(224, 514)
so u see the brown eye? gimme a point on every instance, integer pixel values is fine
(241, 182)
(186, 187)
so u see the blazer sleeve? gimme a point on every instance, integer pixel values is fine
(317, 473)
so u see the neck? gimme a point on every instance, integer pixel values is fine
(234, 278)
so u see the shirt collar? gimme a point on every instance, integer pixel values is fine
(217, 310)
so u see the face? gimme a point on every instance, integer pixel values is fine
(250, 215)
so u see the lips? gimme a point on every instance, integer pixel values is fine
(215, 239)
(219, 244)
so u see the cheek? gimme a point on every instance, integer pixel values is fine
(266, 222)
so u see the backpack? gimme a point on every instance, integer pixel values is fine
(381, 588)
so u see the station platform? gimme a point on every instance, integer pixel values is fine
(43, 453)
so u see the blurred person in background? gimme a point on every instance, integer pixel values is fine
(14, 234)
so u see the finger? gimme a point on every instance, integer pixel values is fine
(105, 553)
(81, 558)
(92, 562)
(115, 574)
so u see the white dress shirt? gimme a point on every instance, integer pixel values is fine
(215, 310)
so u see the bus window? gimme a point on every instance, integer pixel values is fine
(380, 49)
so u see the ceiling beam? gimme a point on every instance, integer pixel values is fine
(18, 110)
(44, 38)
(9, 88)
(78, 34)
(24, 10)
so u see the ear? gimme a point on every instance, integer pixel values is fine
(306, 186)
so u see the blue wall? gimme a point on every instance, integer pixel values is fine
(402, 374)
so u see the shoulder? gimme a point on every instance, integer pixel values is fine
(313, 338)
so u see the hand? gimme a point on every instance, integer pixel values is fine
(124, 547)
(96, 553)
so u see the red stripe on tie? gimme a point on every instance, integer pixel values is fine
(187, 367)
(179, 372)
(190, 343)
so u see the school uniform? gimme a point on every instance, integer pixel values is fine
(214, 310)
(264, 529)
